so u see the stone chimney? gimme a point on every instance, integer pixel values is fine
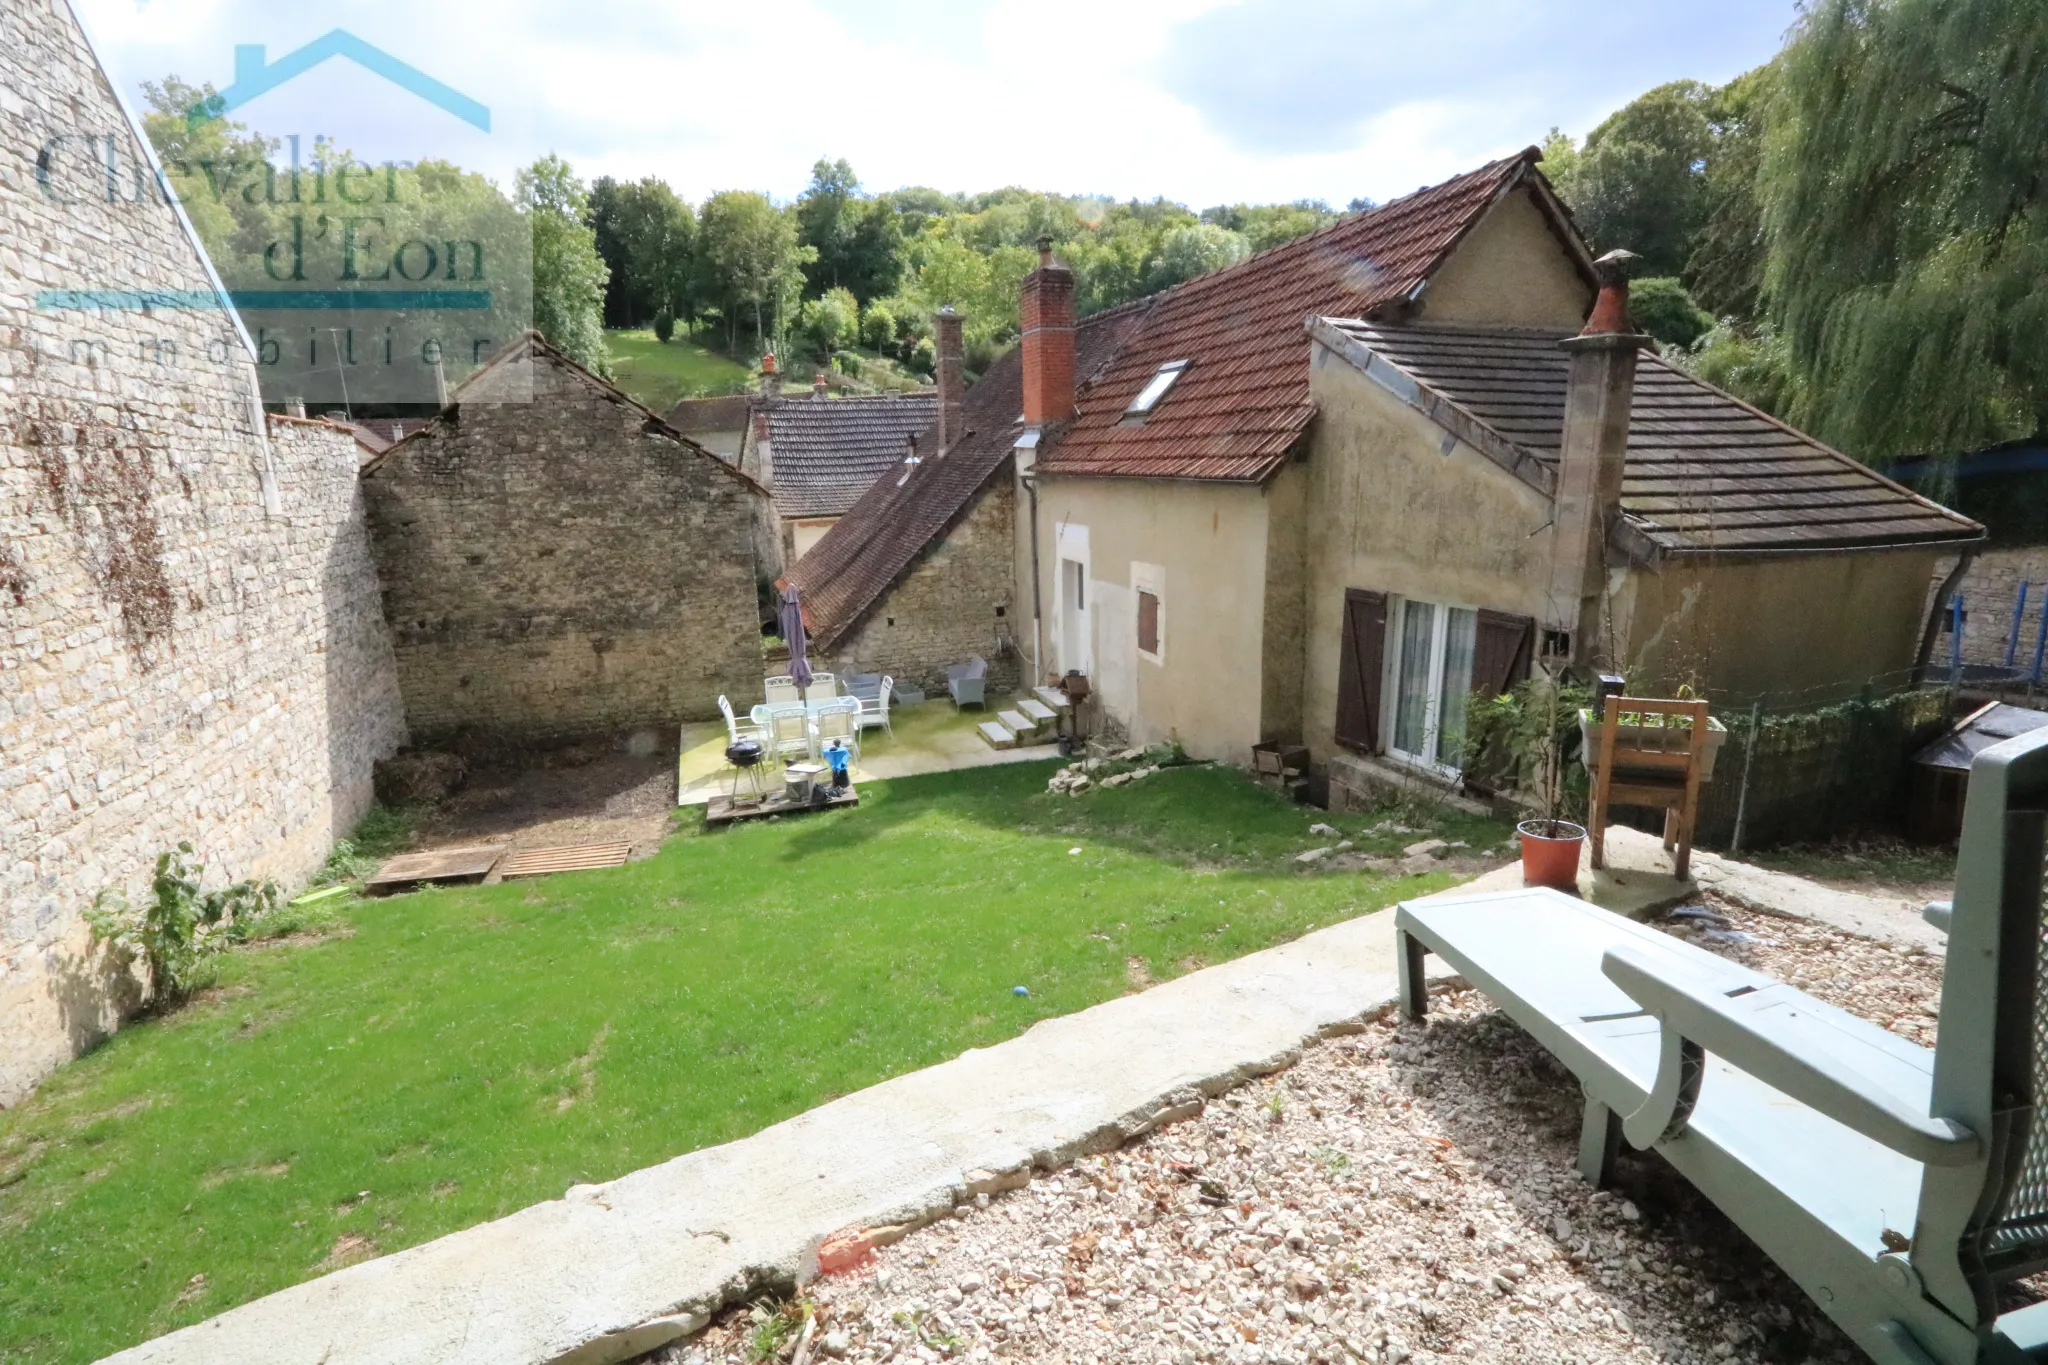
(771, 382)
(952, 378)
(1598, 393)
(295, 407)
(762, 466)
(1046, 315)
(819, 384)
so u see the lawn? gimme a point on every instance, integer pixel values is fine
(451, 1056)
(660, 375)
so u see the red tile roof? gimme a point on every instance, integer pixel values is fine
(1243, 401)
(884, 535)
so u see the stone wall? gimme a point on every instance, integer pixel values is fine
(562, 567)
(1990, 590)
(190, 640)
(955, 602)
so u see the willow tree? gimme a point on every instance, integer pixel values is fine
(1903, 197)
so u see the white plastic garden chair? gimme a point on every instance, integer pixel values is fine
(874, 710)
(789, 731)
(824, 685)
(734, 731)
(779, 689)
(840, 720)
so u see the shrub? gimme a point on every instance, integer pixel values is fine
(183, 927)
(1663, 308)
(923, 357)
(664, 326)
(877, 328)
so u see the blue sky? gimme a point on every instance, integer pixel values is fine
(1204, 101)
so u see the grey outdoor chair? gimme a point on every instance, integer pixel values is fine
(1899, 1187)
(968, 683)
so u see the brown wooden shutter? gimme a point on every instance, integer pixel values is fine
(1500, 651)
(1148, 622)
(1359, 670)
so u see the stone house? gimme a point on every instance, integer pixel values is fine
(559, 562)
(191, 646)
(1324, 494)
(922, 571)
(815, 454)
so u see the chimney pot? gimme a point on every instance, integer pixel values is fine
(295, 407)
(1610, 309)
(819, 384)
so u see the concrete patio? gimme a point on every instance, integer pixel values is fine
(930, 737)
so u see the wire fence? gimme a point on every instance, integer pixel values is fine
(1790, 772)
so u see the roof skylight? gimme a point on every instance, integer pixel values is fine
(1155, 388)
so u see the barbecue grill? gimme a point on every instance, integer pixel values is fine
(745, 756)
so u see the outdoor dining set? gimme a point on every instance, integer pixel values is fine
(806, 721)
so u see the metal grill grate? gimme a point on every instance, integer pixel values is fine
(2023, 1219)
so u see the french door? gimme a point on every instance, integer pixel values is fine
(1430, 677)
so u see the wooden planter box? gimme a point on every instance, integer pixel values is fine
(1648, 739)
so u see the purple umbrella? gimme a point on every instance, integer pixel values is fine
(793, 636)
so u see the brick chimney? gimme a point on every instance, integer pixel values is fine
(1598, 393)
(1046, 314)
(952, 380)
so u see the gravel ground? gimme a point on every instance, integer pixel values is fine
(1407, 1193)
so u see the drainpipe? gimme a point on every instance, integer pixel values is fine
(1934, 611)
(1037, 614)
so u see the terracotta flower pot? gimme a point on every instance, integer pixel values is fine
(1550, 853)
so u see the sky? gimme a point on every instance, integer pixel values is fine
(1202, 101)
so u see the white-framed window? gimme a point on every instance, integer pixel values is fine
(1428, 681)
(1148, 594)
(1155, 389)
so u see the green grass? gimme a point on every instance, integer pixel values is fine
(451, 1056)
(662, 375)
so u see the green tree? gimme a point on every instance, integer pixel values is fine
(1724, 268)
(1638, 181)
(877, 326)
(751, 261)
(647, 237)
(1196, 249)
(1269, 225)
(568, 274)
(1903, 197)
(830, 323)
(1662, 307)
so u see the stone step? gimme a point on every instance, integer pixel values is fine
(1037, 712)
(1024, 729)
(1052, 698)
(998, 737)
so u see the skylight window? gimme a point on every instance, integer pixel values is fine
(1155, 388)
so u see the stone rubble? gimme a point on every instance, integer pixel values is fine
(1404, 1194)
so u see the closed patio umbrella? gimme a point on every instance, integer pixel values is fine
(793, 636)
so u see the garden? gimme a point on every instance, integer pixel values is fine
(400, 1068)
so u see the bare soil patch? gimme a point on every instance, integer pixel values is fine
(578, 795)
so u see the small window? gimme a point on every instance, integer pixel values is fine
(1155, 388)
(1148, 623)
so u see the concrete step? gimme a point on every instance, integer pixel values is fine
(1037, 712)
(1025, 731)
(998, 736)
(1051, 698)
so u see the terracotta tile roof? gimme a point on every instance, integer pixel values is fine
(1243, 400)
(1705, 471)
(828, 451)
(888, 530)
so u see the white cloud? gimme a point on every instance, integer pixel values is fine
(1054, 94)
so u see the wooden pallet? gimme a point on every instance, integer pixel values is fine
(539, 862)
(720, 810)
(470, 864)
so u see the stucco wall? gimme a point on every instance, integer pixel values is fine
(554, 569)
(945, 610)
(1208, 542)
(178, 660)
(1389, 510)
(1793, 631)
(1510, 271)
(1285, 622)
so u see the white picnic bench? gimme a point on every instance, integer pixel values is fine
(1900, 1187)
